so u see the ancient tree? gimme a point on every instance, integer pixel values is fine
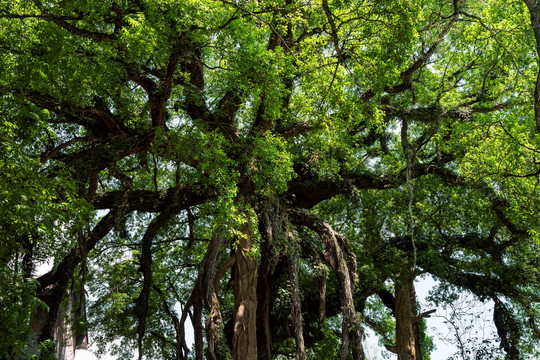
(273, 174)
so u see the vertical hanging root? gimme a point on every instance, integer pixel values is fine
(206, 290)
(296, 316)
(321, 282)
(352, 333)
(409, 154)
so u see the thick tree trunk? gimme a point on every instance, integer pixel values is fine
(245, 300)
(405, 316)
(198, 330)
(296, 308)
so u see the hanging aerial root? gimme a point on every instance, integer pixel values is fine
(296, 307)
(205, 291)
(408, 151)
(352, 331)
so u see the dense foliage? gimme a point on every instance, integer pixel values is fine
(276, 173)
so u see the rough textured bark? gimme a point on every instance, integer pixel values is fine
(245, 300)
(321, 274)
(352, 332)
(213, 324)
(58, 294)
(265, 281)
(534, 9)
(211, 276)
(321, 284)
(405, 319)
(198, 330)
(205, 291)
(296, 308)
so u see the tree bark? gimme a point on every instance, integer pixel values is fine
(296, 309)
(198, 330)
(245, 300)
(265, 281)
(352, 332)
(534, 10)
(206, 290)
(405, 319)
(211, 276)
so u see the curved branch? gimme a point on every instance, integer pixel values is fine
(72, 29)
(307, 190)
(98, 118)
(183, 196)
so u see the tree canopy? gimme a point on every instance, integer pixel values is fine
(276, 173)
